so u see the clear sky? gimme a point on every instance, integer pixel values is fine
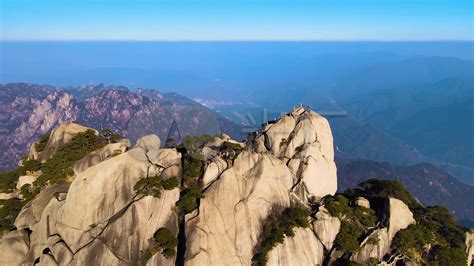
(237, 20)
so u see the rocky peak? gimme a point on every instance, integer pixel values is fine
(216, 201)
(303, 140)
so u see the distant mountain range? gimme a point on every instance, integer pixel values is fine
(436, 118)
(402, 110)
(398, 74)
(28, 111)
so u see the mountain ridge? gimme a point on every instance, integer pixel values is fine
(29, 110)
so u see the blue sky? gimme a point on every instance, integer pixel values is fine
(237, 20)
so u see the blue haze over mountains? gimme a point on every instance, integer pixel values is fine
(407, 102)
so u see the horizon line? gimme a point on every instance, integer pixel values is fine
(236, 40)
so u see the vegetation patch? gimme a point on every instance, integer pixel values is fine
(411, 241)
(275, 230)
(163, 240)
(110, 136)
(189, 199)
(166, 241)
(339, 206)
(54, 170)
(355, 222)
(386, 188)
(348, 238)
(230, 151)
(152, 186)
(28, 192)
(9, 210)
(436, 238)
(43, 141)
(447, 256)
(374, 240)
(192, 166)
(193, 169)
(9, 179)
(195, 142)
(116, 152)
(170, 183)
(60, 165)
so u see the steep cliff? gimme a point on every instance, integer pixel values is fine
(214, 201)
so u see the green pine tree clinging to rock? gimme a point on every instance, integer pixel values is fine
(84, 197)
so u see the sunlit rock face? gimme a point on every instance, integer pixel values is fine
(289, 161)
(303, 140)
(98, 217)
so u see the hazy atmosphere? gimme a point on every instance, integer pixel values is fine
(251, 132)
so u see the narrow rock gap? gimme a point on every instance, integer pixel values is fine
(181, 249)
(181, 242)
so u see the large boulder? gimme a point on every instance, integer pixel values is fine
(363, 202)
(149, 142)
(326, 227)
(376, 245)
(25, 179)
(129, 233)
(164, 158)
(109, 188)
(398, 216)
(100, 155)
(228, 223)
(14, 247)
(60, 136)
(317, 172)
(31, 213)
(44, 232)
(301, 249)
(213, 170)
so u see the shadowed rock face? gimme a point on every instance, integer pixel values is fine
(28, 111)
